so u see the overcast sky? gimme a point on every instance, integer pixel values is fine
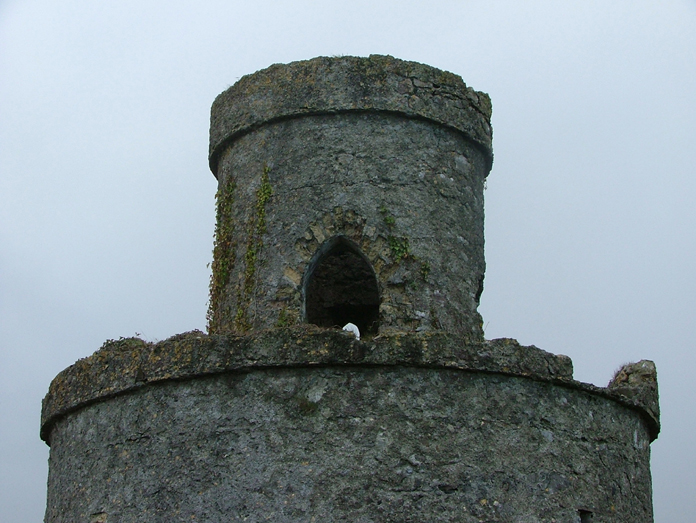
(107, 203)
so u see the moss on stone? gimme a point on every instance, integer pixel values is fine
(223, 255)
(123, 365)
(256, 229)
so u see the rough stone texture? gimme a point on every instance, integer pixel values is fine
(121, 366)
(378, 444)
(389, 155)
(386, 183)
(292, 424)
(349, 188)
(334, 85)
(638, 381)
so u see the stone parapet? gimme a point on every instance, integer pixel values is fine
(125, 365)
(341, 84)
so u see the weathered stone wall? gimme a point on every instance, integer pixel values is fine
(387, 158)
(356, 184)
(311, 427)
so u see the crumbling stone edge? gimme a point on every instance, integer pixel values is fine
(121, 366)
(337, 85)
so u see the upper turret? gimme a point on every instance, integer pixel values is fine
(350, 189)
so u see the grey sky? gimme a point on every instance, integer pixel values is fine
(107, 208)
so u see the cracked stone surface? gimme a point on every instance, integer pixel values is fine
(356, 184)
(346, 156)
(298, 423)
(379, 444)
(349, 83)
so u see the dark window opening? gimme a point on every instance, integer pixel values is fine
(586, 516)
(342, 288)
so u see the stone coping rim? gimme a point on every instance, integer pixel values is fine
(125, 365)
(335, 85)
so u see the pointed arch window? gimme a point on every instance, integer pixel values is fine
(341, 287)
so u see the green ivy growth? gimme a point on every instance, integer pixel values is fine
(399, 245)
(223, 254)
(283, 320)
(425, 270)
(256, 229)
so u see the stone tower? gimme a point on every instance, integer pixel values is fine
(350, 190)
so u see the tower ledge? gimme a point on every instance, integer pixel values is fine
(122, 366)
(334, 85)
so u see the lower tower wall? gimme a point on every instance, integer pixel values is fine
(312, 425)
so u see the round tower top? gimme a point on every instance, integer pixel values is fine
(326, 85)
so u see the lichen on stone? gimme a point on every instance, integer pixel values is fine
(224, 249)
(256, 229)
